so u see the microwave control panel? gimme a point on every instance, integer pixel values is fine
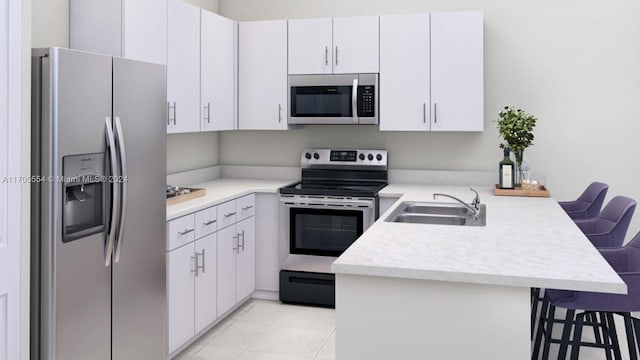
(366, 101)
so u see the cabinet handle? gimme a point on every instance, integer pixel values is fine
(326, 56)
(435, 113)
(424, 112)
(247, 207)
(169, 119)
(201, 267)
(195, 259)
(242, 246)
(229, 214)
(279, 113)
(208, 117)
(336, 55)
(237, 238)
(186, 231)
(207, 223)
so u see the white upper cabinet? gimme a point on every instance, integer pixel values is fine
(355, 45)
(310, 46)
(404, 72)
(431, 72)
(457, 71)
(183, 68)
(262, 80)
(134, 29)
(217, 72)
(338, 45)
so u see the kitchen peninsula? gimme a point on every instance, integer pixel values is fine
(416, 291)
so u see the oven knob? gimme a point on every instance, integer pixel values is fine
(316, 156)
(379, 157)
(370, 157)
(307, 155)
(361, 156)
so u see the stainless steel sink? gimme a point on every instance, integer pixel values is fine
(437, 214)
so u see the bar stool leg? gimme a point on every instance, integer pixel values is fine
(540, 331)
(566, 331)
(577, 336)
(631, 341)
(535, 294)
(549, 331)
(606, 336)
(611, 325)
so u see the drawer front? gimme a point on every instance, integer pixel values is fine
(246, 206)
(206, 221)
(180, 231)
(227, 214)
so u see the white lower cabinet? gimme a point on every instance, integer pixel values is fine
(236, 263)
(206, 281)
(210, 267)
(180, 277)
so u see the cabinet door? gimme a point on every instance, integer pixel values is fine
(217, 72)
(206, 282)
(457, 99)
(180, 297)
(145, 30)
(88, 24)
(246, 260)
(226, 268)
(183, 67)
(355, 45)
(262, 85)
(404, 72)
(310, 46)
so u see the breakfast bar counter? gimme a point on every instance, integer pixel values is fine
(423, 291)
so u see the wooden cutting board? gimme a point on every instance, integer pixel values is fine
(194, 193)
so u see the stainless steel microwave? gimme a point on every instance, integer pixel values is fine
(326, 99)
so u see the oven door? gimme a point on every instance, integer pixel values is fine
(326, 226)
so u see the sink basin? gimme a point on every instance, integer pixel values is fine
(436, 214)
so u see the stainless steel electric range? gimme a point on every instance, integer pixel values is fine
(323, 214)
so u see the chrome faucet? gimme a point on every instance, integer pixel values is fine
(475, 203)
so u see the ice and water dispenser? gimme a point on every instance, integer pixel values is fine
(84, 196)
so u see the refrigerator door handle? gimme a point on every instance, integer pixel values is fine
(121, 182)
(115, 192)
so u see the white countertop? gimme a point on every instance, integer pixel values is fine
(527, 242)
(221, 190)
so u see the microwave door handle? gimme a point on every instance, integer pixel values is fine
(115, 192)
(354, 101)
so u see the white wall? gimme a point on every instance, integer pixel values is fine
(575, 64)
(186, 151)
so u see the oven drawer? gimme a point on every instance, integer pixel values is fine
(310, 288)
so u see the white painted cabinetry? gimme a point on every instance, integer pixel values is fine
(210, 267)
(431, 72)
(217, 72)
(236, 258)
(338, 45)
(183, 67)
(191, 274)
(262, 81)
(457, 71)
(134, 29)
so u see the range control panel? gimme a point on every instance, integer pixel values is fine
(343, 157)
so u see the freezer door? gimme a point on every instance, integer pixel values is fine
(75, 284)
(139, 305)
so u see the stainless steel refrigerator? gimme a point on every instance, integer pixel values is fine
(98, 207)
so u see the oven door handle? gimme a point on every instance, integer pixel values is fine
(329, 204)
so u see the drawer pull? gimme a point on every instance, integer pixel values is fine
(207, 223)
(247, 207)
(229, 214)
(186, 231)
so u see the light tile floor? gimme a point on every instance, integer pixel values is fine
(269, 330)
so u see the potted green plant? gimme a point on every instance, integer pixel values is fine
(516, 130)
